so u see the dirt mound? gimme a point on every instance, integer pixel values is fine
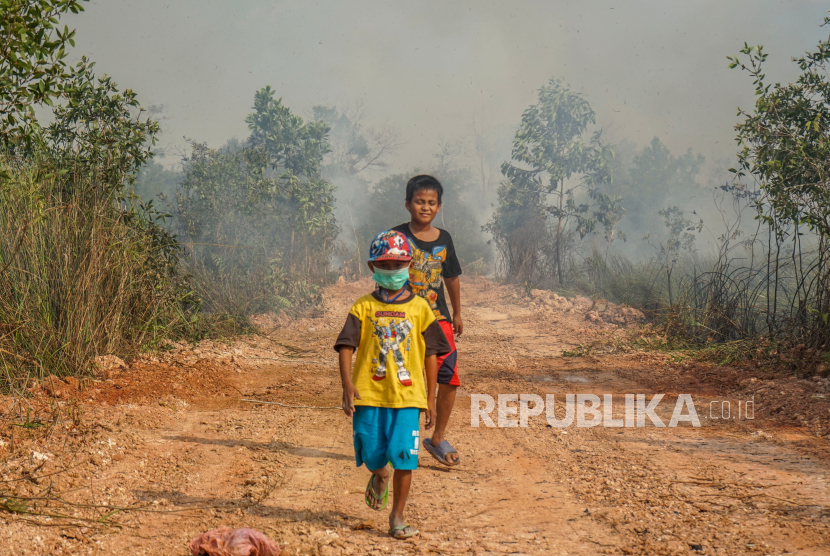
(596, 311)
(550, 300)
(619, 315)
(58, 388)
(157, 382)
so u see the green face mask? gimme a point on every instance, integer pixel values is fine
(391, 280)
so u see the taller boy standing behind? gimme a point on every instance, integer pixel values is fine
(435, 264)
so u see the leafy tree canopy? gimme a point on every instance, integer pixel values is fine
(99, 127)
(785, 141)
(295, 148)
(653, 179)
(32, 54)
(549, 149)
(259, 219)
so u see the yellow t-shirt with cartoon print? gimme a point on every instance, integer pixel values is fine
(392, 342)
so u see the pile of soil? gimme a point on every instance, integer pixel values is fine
(598, 311)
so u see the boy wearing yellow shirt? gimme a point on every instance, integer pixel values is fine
(397, 338)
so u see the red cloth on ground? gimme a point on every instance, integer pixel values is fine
(233, 542)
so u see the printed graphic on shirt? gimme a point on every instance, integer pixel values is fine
(425, 276)
(398, 314)
(393, 340)
(379, 329)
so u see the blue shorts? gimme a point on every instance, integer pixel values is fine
(386, 434)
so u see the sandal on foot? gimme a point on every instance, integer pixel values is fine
(399, 532)
(370, 491)
(441, 451)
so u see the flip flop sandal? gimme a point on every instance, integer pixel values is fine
(370, 491)
(398, 532)
(440, 452)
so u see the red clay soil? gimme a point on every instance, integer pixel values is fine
(149, 457)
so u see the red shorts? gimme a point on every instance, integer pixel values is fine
(448, 364)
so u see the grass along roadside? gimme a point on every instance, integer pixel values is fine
(82, 273)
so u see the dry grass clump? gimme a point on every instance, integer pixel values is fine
(82, 273)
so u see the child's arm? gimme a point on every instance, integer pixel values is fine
(431, 364)
(454, 292)
(349, 390)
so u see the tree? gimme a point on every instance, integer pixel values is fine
(354, 148)
(259, 218)
(98, 131)
(295, 149)
(785, 142)
(88, 268)
(357, 152)
(291, 154)
(99, 128)
(650, 179)
(785, 146)
(549, 149)
(32, 53)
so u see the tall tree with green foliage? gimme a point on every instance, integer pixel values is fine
(785, 147)
(290, 152)
(550, 149)
(785, 141)
(99, 127)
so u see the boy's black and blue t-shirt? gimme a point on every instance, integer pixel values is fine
(434, 261)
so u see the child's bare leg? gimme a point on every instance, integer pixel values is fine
(443, 409)
(400, 490)
(380, 478)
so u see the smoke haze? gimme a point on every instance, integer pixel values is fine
(649, 68)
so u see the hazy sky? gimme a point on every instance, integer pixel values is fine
(648, 67)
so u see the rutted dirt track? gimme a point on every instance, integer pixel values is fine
(177, 440)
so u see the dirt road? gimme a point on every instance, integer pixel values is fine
(174, 442)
